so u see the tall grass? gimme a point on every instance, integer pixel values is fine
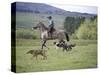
(25, 34)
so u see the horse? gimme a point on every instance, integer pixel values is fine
(57, 34)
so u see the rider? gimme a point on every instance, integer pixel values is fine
(51, 26)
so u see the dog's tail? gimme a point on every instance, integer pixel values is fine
(67, 36)
(30, 51)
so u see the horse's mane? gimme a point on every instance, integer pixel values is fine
(42, 24)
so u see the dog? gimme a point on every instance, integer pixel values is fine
(35, 53)
(64, 45)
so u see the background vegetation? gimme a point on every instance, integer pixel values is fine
(81, 28)
(26, 34)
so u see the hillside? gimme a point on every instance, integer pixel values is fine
(29, 14)
(46, 9)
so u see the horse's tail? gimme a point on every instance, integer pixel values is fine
(67, 36)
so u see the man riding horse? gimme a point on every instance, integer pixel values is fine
(59, 34)
(51, 26)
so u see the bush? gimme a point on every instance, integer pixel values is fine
(83, 32)
(25, 34)
(87, 30)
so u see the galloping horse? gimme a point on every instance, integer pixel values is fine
(57, 34)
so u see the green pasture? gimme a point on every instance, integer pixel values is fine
(83, 56)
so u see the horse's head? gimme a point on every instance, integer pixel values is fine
(38, 25)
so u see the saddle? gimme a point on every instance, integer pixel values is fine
(51, 31)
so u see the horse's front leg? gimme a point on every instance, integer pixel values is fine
(44, 44)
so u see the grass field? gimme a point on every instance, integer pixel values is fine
(84, 55)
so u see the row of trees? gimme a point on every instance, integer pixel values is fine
(72, 23)
(81, 28)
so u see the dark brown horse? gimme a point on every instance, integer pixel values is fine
(57, 34)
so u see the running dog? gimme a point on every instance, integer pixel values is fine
(64, 45)
(35, 53)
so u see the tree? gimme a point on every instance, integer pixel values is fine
(87, 30)
(71, 24)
